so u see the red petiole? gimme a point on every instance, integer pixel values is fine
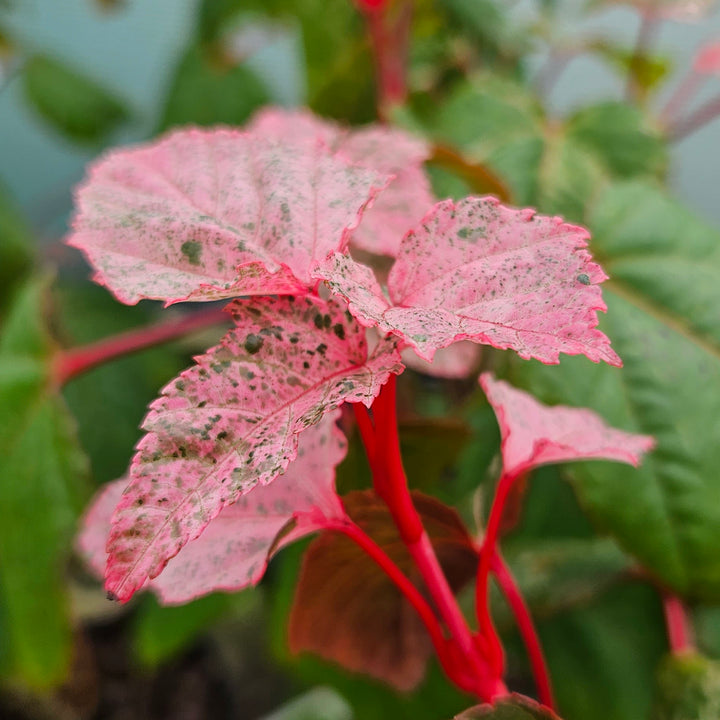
(73, 362)
(470, 669)
(515, 600)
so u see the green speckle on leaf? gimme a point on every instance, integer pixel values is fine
(253, 343)
(192, 250)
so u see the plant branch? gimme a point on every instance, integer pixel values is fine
(525, 624)
(683, 94)
(390, 484)
(367, 430)
(649, 23)
(679, 625)
(702, 116)
(479, 177)
(390, 37)
(487, 552)
(73, 362)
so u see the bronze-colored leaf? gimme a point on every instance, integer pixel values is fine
(347, 610)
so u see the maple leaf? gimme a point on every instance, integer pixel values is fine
(480, 271)
(234, 549)
(387, 150)
(232, 421)
(534, 434)
(203, 215)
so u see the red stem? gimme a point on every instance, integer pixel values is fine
(527, 629)
(703, 115)
(390, 484)
(685, 91)
(487, 551)
(367, 431)
(390, 38)
(679, 626)
(646, 34)
(73, 362)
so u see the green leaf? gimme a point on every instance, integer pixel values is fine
(338, 63)
(208, 89)
(497, 122)
(516, 707)
(689, 688)
(42, 493)
(318, 704)
(603, 656)
(486, 23)
(73, 103)
(159, 632)
(619, 136)
(109, 401)
(16, 256)
(663, 302)
(561, 574)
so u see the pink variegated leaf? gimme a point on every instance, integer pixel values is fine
(232, 421)
(203, 215)
(387, 150)
(707, 60)
(534, 434)
(234, 549)
(477, 270)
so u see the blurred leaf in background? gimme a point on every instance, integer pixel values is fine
(43, 491)
(73, 103)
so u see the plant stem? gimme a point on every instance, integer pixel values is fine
(648, 25)
(480, 178)
(367, 431)
(703, 115)
(527, 629)
(73, 362)
(487, 552)
(390, 37)
(679, 626)
(390, 484)
(683, 94)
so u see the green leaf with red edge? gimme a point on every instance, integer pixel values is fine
(204, 215)
(515, 707)
(374, 630)
(42, 489)
(232, 421)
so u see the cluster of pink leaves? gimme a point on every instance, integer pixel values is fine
(240, 450)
